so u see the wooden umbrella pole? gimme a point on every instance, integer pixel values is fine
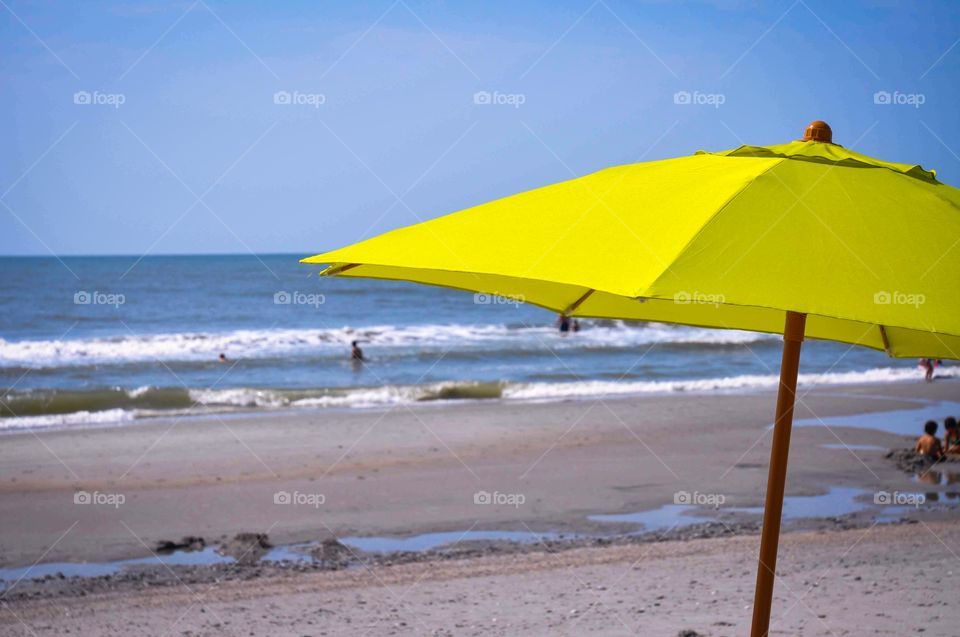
(777, 476)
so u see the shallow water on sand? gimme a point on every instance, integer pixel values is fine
(854, 447)
(838, 501)
(835, 502)
(906, 422)
(428, 541)
(205, 557)
(666, 517)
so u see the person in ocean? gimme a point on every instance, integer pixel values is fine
(356, 354)
(927, 366)
(951, 436)
(928, 445)
(222, 358)
(563, 323)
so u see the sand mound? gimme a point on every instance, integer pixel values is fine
(332, 554)
(246, 548)
(188, 543)
(909, 461)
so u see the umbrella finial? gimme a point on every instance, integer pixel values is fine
(818, 131)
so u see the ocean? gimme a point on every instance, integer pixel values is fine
(112, 340)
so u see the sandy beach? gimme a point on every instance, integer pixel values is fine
(876, 581)
(424, 469)
(432, 318)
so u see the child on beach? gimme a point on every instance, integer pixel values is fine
(928, 445)
(951, 437)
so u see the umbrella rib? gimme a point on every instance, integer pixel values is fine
(573, 306)
(334, 270)
(886, 341)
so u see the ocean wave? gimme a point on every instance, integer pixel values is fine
(352, 397)
(79, 418)
(746, 382)
(53, 408)
(386, 340)
(58, 401)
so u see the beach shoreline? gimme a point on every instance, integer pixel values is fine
(54, 410)
(412, 470)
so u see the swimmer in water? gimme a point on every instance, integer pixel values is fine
(356, 354)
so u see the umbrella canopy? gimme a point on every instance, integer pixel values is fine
(805, 239)
(730, 240)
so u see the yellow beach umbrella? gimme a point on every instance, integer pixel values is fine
(802, 239)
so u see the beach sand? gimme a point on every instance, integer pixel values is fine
(418, 469)
(897, 580)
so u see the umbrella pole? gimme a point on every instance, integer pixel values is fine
(776, 478)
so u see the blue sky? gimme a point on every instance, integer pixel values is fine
(220, 127)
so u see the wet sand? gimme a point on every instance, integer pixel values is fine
(416, 470)
(883, 580)
(310, 476)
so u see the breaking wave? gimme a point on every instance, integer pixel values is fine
(50, 408)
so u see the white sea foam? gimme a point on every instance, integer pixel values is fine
(210, 400)
(290, 343)
(361, 398)
(140, 391)
(239, 397)
(108, 416)
(747, 382)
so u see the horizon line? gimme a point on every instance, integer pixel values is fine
(306, 253)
